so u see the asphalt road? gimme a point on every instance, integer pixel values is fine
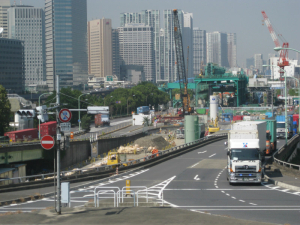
(196, 181)
(114, 124)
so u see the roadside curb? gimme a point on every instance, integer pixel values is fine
(281, 184)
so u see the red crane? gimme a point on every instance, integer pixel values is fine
(284, 52)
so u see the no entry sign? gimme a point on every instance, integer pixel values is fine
(65, 115)
(47, 142)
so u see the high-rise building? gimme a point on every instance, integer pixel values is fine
(187, 41)
(164, 45)
(232, 51)
(100, 47)
(152, 18)
(66, 42)
(199, 46)
(258, 62)
(136, 46)
(250, 62)
(4, 5)
(26, 23)
(12, 65)
(216, 43)
(115, 53)
(161, 55)
(126, 18)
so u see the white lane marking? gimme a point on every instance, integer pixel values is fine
(217, 187)
(196, 178)
(241, 200)
(275, 187)
(16, 211)
(228, 194)
(201, 152)
(252, 203)
(194, 165)
(206, 209)
(233, 197)
(296, 193)
(160, 187)
(212, 155)
(285, 190)
(13, 204)
(223, 191)
(210, 189)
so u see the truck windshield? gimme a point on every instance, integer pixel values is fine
(244, 154)
(280, 125)
(105, 116)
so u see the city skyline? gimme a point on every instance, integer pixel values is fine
(229, 17)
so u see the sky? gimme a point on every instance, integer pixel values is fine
(242, 17)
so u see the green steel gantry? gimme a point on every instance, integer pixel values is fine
(215, 79)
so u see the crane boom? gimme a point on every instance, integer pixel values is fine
(180, 64)
(271, 30)
(283, 53)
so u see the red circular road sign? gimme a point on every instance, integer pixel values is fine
(47, 142)
(65, 115)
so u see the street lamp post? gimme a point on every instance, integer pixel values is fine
(40, 105)
(79, 122)
(127, 103)
(298, 101)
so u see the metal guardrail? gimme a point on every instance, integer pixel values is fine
(106, 168)
(280, 162)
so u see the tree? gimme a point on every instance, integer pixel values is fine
(86, 122)
(292, 92)
(4, 111)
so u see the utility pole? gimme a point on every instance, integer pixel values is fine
(58, 137)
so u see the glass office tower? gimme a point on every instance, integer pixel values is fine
(66, 42)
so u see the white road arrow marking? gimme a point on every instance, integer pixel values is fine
(196, 178)
(201, 152)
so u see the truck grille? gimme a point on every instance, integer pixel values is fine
(245, 169)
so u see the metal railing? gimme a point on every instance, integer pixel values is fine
(280, 150)
(105, 168)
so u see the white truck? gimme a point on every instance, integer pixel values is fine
(180, 133)
(246, 149)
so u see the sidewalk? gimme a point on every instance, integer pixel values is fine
(133, 215)
(282, 176)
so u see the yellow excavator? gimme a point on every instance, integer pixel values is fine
(214, 126)
(113, 158)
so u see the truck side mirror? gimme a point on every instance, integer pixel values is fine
(228, 152)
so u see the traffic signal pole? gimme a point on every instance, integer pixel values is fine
(58, 135)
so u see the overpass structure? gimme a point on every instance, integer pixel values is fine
(214, 79)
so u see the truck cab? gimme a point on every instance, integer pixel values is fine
(244, 165)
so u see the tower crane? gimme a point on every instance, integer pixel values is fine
(187, 109)
(284, 52)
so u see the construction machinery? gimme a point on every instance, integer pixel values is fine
(214, 126)
(182, 78)
(113, 158)
(284, 52)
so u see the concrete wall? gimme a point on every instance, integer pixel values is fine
(78, 152)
